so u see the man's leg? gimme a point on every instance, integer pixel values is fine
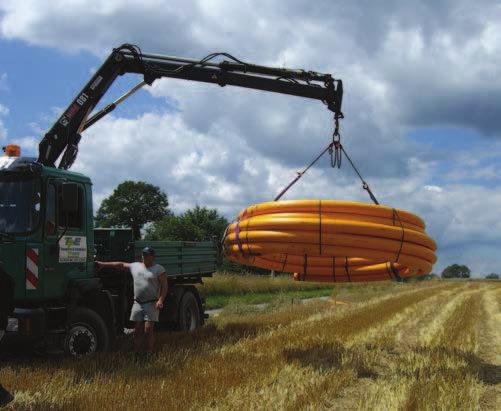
(149, 327)
(139, 337)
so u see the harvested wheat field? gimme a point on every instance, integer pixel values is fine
(431, 345)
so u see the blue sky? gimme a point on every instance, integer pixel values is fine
(422, 98)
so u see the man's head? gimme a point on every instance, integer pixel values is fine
(148, 256)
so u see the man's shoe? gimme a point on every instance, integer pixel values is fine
(5, 396)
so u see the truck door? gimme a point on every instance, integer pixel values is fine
(66, 241)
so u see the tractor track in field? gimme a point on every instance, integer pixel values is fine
(490, 349)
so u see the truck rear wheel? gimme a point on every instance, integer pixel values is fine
(87, 334)
(190, 317)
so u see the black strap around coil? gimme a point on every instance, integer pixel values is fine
(334, 268)
(346, 268)
(388, 270)
(320, 226)
(393, 272)
(285, 262)
(305, 268)
(395, 214)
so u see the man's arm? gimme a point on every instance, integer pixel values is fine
(119, 265)
(164, 286)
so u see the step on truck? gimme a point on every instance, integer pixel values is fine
(48, 243)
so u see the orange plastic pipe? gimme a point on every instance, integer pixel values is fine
(335, 241)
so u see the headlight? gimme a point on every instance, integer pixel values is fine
(13, 325)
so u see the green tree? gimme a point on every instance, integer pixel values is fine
(456, 271)
(208, 220)
(492, 276)
(173, 228)
(197, 224)
(132, 204)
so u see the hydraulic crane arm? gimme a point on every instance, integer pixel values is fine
(65, 134)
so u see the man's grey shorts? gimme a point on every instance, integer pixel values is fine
(144, 312)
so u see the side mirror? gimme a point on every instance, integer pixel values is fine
(69, 198)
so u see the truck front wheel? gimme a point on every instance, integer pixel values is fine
(190, 317)
(87, 334)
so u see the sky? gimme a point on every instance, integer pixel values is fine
(422, 104)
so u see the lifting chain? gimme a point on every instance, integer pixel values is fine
(336, 151)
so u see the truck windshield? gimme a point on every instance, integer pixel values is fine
(19, 204)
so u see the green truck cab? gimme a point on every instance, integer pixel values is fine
(48, 245)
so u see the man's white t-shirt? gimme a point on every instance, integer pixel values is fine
(146, 282)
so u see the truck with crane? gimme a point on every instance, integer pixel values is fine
(48, 243)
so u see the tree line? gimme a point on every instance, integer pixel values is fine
(463, 271)
(144, 207)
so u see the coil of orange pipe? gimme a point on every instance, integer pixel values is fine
(331, 241)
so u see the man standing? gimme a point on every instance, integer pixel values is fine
(150, 290)
(6, 307)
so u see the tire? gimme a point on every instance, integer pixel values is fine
(190, 316)
(87, 334)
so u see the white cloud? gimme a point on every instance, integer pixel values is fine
(3, 110)
(26, 143)
(3, 82)
(3, 131)
(435, 189)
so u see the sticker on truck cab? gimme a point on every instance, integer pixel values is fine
(73, 249)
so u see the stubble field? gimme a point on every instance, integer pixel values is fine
(432, 345)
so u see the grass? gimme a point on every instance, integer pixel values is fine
(224, 289)
(218, 301)
(228, 289)
(424, 346)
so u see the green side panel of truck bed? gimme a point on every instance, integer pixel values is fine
(180, 258)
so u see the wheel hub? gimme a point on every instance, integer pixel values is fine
(81, 341)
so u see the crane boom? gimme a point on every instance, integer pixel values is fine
(64, 136)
